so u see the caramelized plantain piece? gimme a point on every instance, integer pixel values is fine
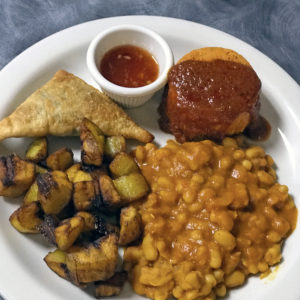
(67, 232)
(109, 193)
(83, 194)
(95, 227)
(32, 194)
(47, 227)
(92, 143)
(111, 287)
(37, 150)
(123, 164)
(89, 220)
(26, 218)
(96, 262)
(114, 145)
(61, 159)
(56, 261)
(86, 195)
(54, 191)
(82, 176)
(16, 175)
(131, 187)
(72, 171)
(131, 225)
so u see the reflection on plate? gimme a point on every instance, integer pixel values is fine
(22, 255)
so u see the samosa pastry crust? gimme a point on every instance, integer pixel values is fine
(58, 107)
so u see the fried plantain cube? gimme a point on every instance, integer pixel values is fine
(114, 145)
(72, 171)
(95, 227)
(89, 220)
(67, 232)
(16, 175)
(131, 187)
(83, 194)
(92, 143)
(32, 194)
(96, 262)
(109, 193)
(82, 176)
(111, 287)
(61, 159)
(54, 191)
(37, 150)
(131, 225)
(123, 164)
(47, 227)
(56, 261)
(26, 218)
(86, 195)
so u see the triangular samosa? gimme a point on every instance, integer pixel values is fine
(58, 107)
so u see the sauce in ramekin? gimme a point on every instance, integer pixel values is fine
(129, 66)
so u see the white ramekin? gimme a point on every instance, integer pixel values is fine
(137, 36)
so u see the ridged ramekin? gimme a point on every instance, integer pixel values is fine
(129, 35)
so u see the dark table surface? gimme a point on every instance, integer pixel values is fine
(273, 27)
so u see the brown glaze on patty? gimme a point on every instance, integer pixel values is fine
(209, 99)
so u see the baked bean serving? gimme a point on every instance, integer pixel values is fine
(215, 215)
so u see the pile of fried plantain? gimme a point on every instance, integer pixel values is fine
(82, 208)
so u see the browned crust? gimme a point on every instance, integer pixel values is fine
(59, 106)
(213, 53)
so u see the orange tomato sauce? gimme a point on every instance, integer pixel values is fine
(216, 214)
(129, 66)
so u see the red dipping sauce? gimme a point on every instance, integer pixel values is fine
(129, 66)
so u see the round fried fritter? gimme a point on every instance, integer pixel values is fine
(212, 92)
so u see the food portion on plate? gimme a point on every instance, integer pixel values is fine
(195, 218)
(58, 107)
(212, 92)
(81, 208)
(215, 215)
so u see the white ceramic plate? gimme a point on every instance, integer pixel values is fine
(23, 274)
